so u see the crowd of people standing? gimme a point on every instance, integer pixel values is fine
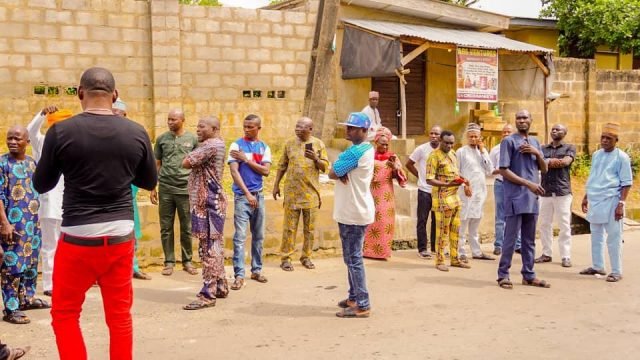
(92, 164)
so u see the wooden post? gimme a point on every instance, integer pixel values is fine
(320, 70)
(401, 72)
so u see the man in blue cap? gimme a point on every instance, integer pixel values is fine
(354, 209)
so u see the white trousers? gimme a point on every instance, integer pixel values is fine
(50, 234)
(471, 226)
(556, 208)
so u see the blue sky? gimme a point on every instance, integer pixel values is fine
(522, 8)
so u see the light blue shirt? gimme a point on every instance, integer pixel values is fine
(610, 172)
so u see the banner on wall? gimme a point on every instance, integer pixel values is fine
(477, 74)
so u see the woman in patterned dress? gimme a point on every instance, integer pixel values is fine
(379, 235)
(208, 206)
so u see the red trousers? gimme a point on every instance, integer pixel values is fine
(76, 269)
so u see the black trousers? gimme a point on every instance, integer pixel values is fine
(424, 209)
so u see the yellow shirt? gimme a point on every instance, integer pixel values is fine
(443, 167)
(302, 184)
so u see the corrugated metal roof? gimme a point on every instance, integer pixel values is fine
(466, 38)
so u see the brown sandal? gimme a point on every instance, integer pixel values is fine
(286, 266)
(36, 304)
(505, 283)
(17, 353)
(353, 312)
(190, 269)
(442, 267)
(238, 283)
(536, 283)
(346, 303)
(259, 277)
(167, 270)
(306, 262)
(16, 317)
(200, 303)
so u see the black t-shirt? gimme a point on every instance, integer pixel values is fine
(557, 181)
(100, 157)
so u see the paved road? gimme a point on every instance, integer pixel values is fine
(418, 313)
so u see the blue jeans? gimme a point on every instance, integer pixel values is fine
(243, 213)
(498, 194)
(526, 225)
(614, 245)
(352, 237)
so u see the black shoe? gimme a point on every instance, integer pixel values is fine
(497, 251)
(518, 251)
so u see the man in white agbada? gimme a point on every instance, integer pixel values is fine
(374, 115)
(474, 165)
(50, 212)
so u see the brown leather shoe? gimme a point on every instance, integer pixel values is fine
(259, 277)
(543, 259)
(238, 283)
(141, 275)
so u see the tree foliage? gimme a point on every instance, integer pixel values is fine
(586, 24)
(201, 2)
(466, 3)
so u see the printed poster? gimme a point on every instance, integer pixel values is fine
(477, 75)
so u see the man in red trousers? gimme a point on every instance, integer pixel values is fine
(100, 155)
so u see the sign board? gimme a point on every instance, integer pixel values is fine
(476, 75)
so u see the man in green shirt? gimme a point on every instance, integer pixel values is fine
(172, 195)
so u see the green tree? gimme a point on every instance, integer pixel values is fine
(201, 2)
(466, 3)
(586, 24)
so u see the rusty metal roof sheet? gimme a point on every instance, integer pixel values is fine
(466, 38)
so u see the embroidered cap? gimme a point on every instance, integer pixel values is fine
(473, 127)
(358, 119)
(611, 128)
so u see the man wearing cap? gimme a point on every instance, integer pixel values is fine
(172, 195)
(120, 108)
(475, 166)
(498, 195)
(521, 161)
(556, 201)
(417, 165)
(354, 210)
(373, 114)
(443, 174)
(608, 186)
(50, 212)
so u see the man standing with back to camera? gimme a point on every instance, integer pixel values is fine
(100, 155)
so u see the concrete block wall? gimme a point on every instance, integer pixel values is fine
(163, 55)
(618, 99)
(51, 42)
(207, 56)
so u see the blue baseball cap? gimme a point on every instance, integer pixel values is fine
(358, 119)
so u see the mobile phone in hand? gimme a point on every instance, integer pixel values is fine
(308, 146)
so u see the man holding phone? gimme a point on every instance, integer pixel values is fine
(443, 174)
(303, 158)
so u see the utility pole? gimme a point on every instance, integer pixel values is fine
(320, 71)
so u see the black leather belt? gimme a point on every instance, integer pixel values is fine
(97, 241)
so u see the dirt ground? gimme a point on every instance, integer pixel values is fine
(417, 313)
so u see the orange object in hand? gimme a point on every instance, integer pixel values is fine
(61, 114)
(459, 180)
